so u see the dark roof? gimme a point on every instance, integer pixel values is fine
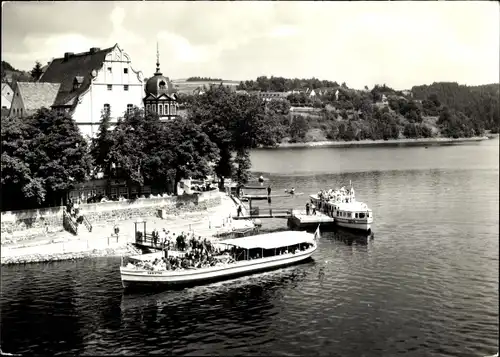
(153, 85)
(36, 95)
(64, 71)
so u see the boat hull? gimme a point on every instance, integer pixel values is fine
(134, 279)
(366, 227)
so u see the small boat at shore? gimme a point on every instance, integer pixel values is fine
(238, 257)
(341, 205)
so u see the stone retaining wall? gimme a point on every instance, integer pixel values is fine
(30, 223)
(25, 224)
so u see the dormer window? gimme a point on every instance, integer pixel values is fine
(109, 69)
(162, 84)
(77, 82)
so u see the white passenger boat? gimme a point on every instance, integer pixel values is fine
(343, 207)
(241, 256)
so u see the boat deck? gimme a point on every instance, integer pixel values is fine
(299, 219)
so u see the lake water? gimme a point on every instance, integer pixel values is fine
(425, 285)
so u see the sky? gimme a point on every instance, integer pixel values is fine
(399, 44)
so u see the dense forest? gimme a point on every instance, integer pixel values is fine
(479, 103)
(280, 84)
(201, 79)
(447, 109)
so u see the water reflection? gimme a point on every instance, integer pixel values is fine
(233, 310)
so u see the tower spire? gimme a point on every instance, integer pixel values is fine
(157, 60)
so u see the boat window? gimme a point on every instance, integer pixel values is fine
(356, 215)
(361, 215)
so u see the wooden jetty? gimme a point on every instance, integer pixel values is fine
(263, 197)
(296, 219)
(300, 220)
(257, 212)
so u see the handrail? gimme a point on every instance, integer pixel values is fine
(87, 223)
(68, 223)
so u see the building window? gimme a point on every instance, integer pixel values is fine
(125, 70)
(110, 87)
(107, 109)
(109, 70)
(160, 109)
(130, 108)
(167, 109)
(21, 111)
(125, 87)
(153, 108)
(162, 85)
(148, 107)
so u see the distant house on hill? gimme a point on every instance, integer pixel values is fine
(267, 96)
(31, 96)
(7, 95)
(407, 93)
(88, 85)
(199, 91)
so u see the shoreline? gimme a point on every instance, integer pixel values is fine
(419, 141)
(42, 250)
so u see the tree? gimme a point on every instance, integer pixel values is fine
(21, 188)
(62, 158)
(43, 157)
(37, 71)
(235, 123)
(298, 128)
(134, 139)
(243, 165)
(186, 151)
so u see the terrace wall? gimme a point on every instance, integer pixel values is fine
(29, 223)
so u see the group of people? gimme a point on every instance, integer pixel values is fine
(310, 207)
(337, 195)
(207, 186)
(73, 207)
(190, 260)
(196, 252)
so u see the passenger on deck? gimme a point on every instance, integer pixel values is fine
(239, 210)
(313, 209)
(307, 208)
(292, 191)
(269, 190)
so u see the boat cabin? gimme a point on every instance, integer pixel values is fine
(269, 245)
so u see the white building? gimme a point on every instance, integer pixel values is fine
(93, 82)
(7, 95)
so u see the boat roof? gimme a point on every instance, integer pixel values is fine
(351, 206)
(271, 240)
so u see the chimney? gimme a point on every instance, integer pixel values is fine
(94, 49)
(67, 55)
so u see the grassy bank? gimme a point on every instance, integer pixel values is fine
(420, 141)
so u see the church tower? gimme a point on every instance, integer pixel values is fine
(160, 94)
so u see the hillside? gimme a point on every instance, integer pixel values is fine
(479, 103)
(189, 85)
(10, 74)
